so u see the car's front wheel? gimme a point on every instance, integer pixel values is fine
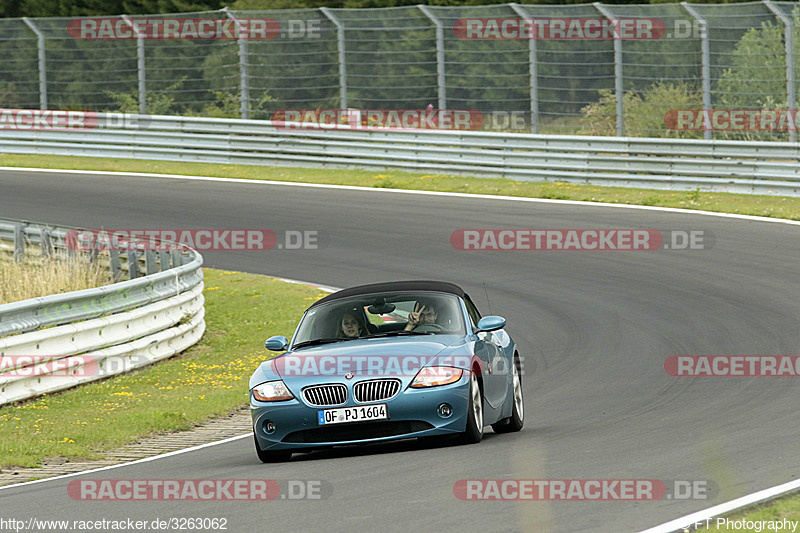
(474, 430)
(517, 418)
(271, 457)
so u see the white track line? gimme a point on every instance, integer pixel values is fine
(120, 465)
(688, 522)
(324, 288)
(673, 525)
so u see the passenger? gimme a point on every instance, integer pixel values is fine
(424, 313)
(350, 326)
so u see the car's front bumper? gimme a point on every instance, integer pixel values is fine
(412, 413)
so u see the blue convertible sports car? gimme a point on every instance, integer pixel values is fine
(382, 362)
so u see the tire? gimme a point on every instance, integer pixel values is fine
(474, 430)
(517, 418)
(271, 457)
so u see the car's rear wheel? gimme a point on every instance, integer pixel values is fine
(271, 457)
(474, 430)
(517, 418)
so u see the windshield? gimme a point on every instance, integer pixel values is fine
(381, 315)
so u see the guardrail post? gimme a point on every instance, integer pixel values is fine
(116, 267)
(163, 260)
(133, 263)
(176, 258)
(47, 243)
(618, 89)
(244, 71)
(342, 59)
(19, 242)
(533, 74)
(150, 264)
(40, 42)
(439, 54)
(788, 40)
(140, 66)
(706, 67)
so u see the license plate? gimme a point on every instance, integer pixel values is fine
(352, 414)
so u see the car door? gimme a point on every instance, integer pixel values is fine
(489, 347)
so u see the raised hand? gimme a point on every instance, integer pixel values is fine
(414, 317)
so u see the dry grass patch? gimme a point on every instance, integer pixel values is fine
(38, 276)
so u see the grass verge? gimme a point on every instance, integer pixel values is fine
(209, 379)
(760, 205)
(784, 508)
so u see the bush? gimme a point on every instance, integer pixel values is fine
(643, 112)
(158, 103)
(228, 105)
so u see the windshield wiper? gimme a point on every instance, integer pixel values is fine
(316, 342)
(400, 332)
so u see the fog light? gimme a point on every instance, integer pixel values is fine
(269, 426)
(444, 410)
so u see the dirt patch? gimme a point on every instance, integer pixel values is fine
(223, 427)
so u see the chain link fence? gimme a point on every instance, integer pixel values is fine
(664, 70)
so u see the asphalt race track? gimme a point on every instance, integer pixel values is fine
(594, 329)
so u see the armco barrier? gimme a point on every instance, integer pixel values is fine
(733, 166)
(115, 328)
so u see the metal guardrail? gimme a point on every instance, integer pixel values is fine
(733, 166)
(96, 332)
(28, 315)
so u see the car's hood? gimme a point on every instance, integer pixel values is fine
(399, 357)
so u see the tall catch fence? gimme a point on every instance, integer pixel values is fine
(546, 71)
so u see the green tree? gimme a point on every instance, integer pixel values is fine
(757, 77)
(11, 8)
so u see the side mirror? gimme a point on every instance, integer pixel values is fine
(491, 323)
(278, 343)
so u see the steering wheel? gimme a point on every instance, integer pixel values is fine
(432, 325)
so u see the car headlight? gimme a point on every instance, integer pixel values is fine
(272, 391)
(433, 376)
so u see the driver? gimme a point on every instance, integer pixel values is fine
(424, 313)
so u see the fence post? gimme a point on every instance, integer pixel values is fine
(42, 63)
(439, 54)
(789, 42)
(533, 75)
(618, 89)
(706, 67)
(19, 242)
(342, 61)
(244, 71)
(140, 66)
(47, 243)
